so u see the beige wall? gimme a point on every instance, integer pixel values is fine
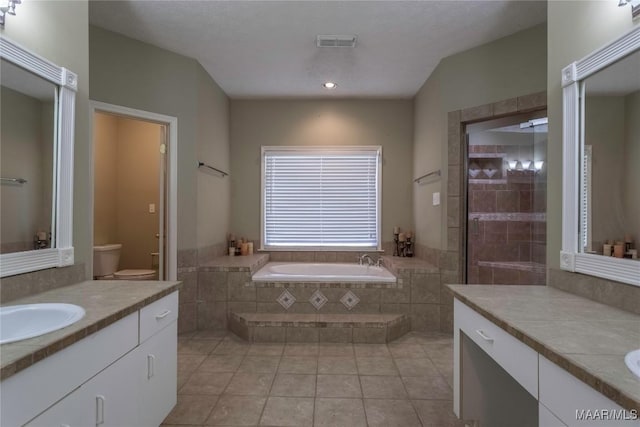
(631, 194)
(574, 30)
(138, 75)
(138, 172)
(59, 31)
(26, 143)
(104, 179)
(213, 192)
(388, 123)
(506, 68)
(127, 171)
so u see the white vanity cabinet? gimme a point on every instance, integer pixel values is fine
(104, 400)
(499, 380)
(156, 375)
(123, 375)
(575, 403)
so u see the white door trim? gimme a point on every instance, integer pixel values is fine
(172, 193)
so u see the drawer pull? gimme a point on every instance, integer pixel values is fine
(163, 314)
(483, 335)
(100, 409)
(151, 359)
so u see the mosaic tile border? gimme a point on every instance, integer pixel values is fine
(286, 299)
(318, 300)
(329, 285)
(510, 216)
(350, 300)
(515, 265)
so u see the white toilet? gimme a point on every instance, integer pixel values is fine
(105, 265)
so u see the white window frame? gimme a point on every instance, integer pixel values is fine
(324, 150)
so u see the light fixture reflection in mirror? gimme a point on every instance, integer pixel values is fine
(9, 8)
(635, 7)
(611, 199)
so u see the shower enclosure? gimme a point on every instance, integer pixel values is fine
(506, 200)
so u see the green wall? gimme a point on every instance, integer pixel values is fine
(59, 31)
(130, 73)
(388, 123)
(574, 29)
(506, 68)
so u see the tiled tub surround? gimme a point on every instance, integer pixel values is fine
(188, 262)
(105, 302)
(225, 286)
(323, 328)
(583, 337)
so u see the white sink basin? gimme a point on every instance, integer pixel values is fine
(19, 322)
(632, 359)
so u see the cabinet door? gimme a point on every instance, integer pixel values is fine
(547, 419)
(157, 375)
(108, 399)
(576, 403)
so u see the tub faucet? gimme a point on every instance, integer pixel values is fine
(367, 257)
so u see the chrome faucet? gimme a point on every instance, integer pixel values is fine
(370, 260)
(367, 257)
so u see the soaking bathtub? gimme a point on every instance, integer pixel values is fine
(322, 272)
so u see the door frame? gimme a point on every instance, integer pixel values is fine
(455, 209)
(171, 214)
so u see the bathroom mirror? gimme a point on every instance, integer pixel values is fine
(601, 140)
(36, 147)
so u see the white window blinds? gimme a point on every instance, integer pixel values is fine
(321, 197)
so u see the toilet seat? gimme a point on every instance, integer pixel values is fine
(135, 274)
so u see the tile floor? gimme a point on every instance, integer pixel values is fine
(225, 381)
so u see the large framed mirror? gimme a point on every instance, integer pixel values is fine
(601, 174)
(37, 111)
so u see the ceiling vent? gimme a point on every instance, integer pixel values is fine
(336, 41)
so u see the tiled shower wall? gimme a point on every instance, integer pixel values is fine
(507, 224)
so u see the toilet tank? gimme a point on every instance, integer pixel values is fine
(106, 259)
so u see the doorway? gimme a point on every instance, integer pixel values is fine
(506, 200)
(134, 182)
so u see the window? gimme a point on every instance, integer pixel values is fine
(321, 197)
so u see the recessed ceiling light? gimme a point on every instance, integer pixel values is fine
(329, 85)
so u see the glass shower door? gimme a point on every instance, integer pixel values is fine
(506, 201)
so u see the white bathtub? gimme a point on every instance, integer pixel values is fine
(322, 272)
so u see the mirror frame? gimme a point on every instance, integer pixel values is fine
(571, 259)
(61, 254)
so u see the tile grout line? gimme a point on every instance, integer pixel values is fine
(405, 386)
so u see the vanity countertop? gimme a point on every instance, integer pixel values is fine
(586, 338)
(105, 302)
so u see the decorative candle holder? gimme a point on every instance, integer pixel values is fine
(408, 252)
(396, 248)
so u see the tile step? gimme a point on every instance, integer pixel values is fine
(291, 327)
